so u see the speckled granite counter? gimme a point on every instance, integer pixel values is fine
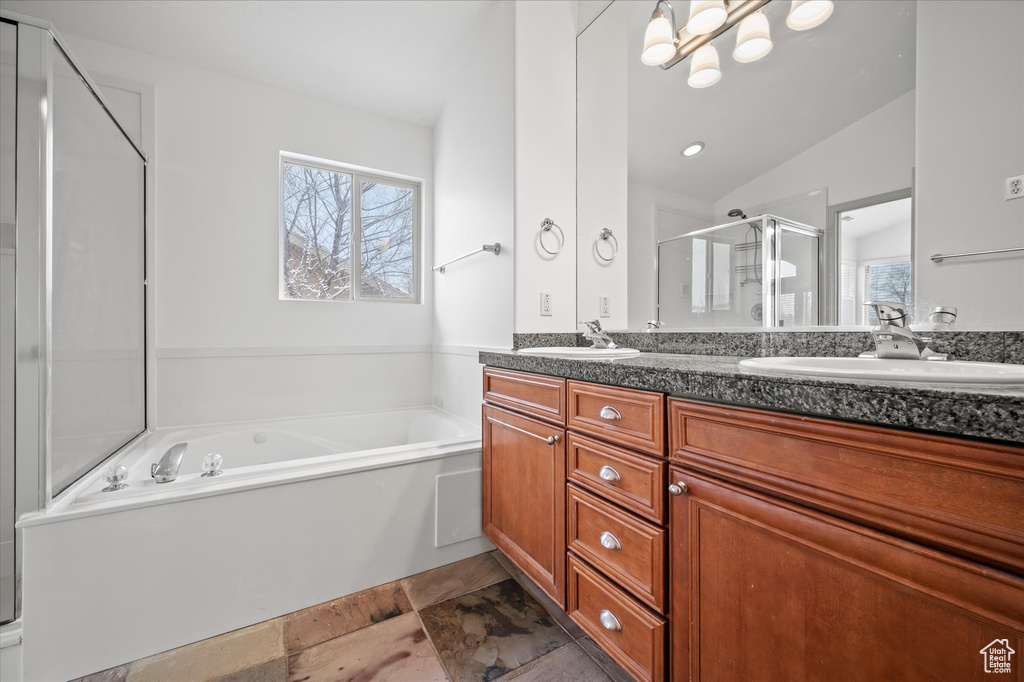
(990, 412)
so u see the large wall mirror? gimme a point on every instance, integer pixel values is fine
(794, 166)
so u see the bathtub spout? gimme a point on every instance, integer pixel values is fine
(167, 469)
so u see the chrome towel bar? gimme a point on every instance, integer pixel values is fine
(494, 248)
(939, 257)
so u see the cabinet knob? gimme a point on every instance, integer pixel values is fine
(609, 474)
(553, 439)
(678, 488)
(610, 622)
(610, 413)
(609, 541)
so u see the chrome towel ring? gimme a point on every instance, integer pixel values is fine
(606, 237)
(549, 226)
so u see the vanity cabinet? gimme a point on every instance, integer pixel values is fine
(764, 589)
(524, 495)
(714, 543)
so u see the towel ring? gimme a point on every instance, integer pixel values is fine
(547, 226)
(606, 236)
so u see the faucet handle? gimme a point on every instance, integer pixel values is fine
(890, 312)
(942, 315)
(592, 325)
(654, 324)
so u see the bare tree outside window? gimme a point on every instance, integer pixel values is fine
(887, 282)
(387, 241)
(323, 227)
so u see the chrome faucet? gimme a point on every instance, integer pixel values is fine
(894, 339)
(654, 324)
(167, 469)
(597, 335)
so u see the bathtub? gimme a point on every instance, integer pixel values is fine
(306, 510)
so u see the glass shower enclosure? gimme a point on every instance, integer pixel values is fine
(755, 272)
(72, 307)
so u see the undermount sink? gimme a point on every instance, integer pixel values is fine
(575, 352)
(955, 372)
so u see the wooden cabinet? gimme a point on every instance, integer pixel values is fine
(797, 550)
(524, 495)
(764, 589)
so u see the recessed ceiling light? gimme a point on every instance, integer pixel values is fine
(693, 149)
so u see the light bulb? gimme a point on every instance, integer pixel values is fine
(705, 16)
(659, 39)
(805, 14)
(753, 39)
(704, 68)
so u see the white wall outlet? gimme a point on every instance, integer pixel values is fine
(606, 306)
(1014, 188)
(545, 305)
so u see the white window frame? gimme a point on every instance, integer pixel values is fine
(359, 175)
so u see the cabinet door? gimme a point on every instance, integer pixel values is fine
(767, 590)
(524, 495)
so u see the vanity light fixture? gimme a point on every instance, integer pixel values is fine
(753, 39)
(805, 14)
(706, 16)
(704, 67)
(660, 36)
(693, 149)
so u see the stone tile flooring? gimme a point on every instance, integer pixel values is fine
(474, 620)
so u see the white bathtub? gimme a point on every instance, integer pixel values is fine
(306, 510)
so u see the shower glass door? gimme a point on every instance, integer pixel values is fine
(8, 111)
(97, 256)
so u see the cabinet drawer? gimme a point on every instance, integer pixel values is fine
(628, 549)
(540, 396)
(631, 480)
(630, 634)
(954, 494)
(635, 419)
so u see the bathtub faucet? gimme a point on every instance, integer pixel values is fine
(167, 469)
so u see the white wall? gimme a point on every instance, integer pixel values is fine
(644, 204)
(601, 172)
(969, 140)
(545, 161)
(216, 154)
(873, 156)
(474, 198)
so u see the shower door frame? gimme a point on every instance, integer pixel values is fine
(38, 45)
(771, 259)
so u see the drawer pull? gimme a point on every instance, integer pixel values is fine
(678, 488)
(609, 541)
(610, 413)
(609, 474)
(610, 622)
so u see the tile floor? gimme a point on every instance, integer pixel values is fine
(474, 620)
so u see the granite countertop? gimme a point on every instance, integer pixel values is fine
(990, 412)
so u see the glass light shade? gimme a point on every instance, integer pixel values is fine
(705, 16)
(805, 14)
(659, 39)
(704, 68)
(753, 39)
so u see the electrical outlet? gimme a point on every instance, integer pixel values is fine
(545, 305)
(606, 306)
(1014, 188)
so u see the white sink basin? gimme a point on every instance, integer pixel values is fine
(894, 370)
(574, 352)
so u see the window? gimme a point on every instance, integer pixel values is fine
(887, 279)
(346, 234)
